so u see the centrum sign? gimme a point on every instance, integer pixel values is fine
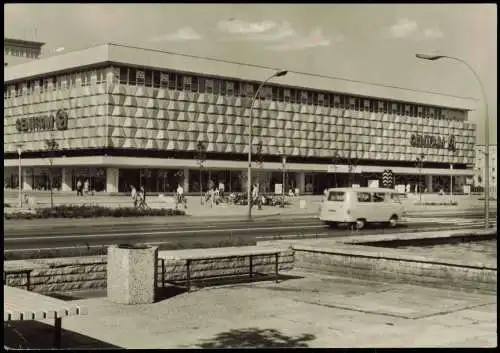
(433, 142)
(59, 121)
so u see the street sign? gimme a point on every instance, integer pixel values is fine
(387, 177)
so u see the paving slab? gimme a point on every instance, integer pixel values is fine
(260, 316)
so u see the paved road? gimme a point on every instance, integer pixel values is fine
(84, 235)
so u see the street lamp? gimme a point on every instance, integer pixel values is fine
(249, 174)
(201, 159)
(19, 152)
(283, 162)
(420, 164)
(486, 131)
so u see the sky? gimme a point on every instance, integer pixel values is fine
(369, 42)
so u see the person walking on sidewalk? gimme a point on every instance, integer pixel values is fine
(181, 199)
(79, 188)
(133, 195)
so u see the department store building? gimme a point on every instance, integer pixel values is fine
(122, 116)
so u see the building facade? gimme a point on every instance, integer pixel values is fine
(118, 116)
(479, 168)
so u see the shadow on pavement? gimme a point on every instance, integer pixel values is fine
(38, 335)
(254, 337)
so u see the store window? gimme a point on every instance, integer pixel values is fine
(303, 97)
(366, 105)
(326, 100)
(293, 96)
(217, 85)
(209, 86)
(149, 78)
(320, 99)
(275, 93)
(172, 80)
(230, 89)
(140, 77)
(310, 97)
(187, 83)
(336, 101)
(237, 89)
(163, 79)
(267, 93)
(96, 178)
(124, 75)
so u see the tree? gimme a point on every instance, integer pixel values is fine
(51, 145)
(201, 157)
(352, 162)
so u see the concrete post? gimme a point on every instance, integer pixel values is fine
(186, 180)
(132, 273)
(428, 182)
(66, 179)
(27, 179)
(301, 182)
(112, 179)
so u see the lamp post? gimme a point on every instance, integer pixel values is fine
(19, 152)
(201, 159)
(52, 146)
(486, 131)
(283, 162)
(249, 174)
(420, 162)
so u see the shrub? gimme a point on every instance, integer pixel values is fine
(87, 211)
(454, 203)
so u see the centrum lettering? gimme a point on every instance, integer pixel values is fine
(43, 123)
(429, 141)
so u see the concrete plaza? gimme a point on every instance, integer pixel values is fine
(305, 310)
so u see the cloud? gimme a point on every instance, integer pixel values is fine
(283, 31)
(406, 28)
(182, 34)
(314, 39)
(403, 28)
(242, 27)
(433, 33)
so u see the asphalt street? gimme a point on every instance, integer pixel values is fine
(71, 236)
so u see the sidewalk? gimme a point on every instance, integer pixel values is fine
(306, 310)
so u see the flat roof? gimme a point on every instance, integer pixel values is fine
(157, 59)
(22, 43)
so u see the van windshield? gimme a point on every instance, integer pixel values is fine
(336, 196)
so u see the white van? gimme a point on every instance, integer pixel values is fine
(359, 206)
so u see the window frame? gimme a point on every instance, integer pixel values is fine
(358, 193)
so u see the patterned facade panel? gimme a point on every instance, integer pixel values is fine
(133, 114)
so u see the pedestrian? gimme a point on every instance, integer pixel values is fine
(133, 194)
(86, 187)
(221, 189)
(79, 187)
(143, 191)
(181, 199)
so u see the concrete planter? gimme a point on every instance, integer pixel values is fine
(131, 273)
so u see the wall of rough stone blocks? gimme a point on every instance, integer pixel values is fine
(424, 273)
(88, 273)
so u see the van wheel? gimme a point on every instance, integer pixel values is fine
(360, 224)
(332, 224)
(393, 221)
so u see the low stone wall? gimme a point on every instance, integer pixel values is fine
(397, 269)
(88, 273)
